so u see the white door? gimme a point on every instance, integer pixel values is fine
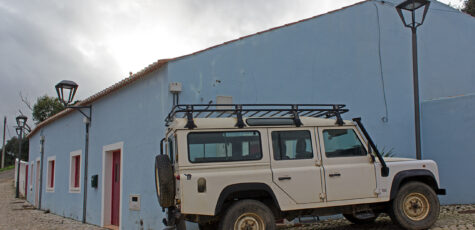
(349, 171)
(295, 164)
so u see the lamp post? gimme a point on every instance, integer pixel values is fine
(20, 121)
(66, 98)
(409, 8)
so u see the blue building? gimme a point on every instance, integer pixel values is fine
(359, 56)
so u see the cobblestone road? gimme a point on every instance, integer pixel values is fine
(452, 217)
(18, 214)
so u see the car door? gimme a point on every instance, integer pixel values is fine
(348, 168)
(295, 164)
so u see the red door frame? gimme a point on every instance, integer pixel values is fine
(115, 200)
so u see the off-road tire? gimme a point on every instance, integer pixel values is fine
(358, 220)
(248, 212)
(165, 180)
(415, 207)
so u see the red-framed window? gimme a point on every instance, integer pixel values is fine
(51, 171)
(75, 171)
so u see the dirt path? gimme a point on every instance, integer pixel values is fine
(19, 214)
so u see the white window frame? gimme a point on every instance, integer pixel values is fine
(48, 188)
(73, 189)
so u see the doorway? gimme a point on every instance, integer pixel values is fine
(37, 184)
(115, 197)
(112, 185)
(26, 180)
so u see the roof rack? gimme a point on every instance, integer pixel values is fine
(293, 111)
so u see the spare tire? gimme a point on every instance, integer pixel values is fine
(164, 181)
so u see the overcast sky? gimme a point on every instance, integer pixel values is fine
(97, 43)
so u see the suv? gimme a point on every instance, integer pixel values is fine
(246, 166)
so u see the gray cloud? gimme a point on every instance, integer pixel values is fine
(97, 43)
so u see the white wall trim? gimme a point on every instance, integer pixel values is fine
(71, 155)
(51, 158)
(106, 196)
(30, 183)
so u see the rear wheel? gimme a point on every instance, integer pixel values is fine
(248, 215)
(415, 207)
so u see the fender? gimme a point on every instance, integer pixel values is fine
(417, 174)
(243, 187)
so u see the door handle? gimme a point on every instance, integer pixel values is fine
(285, 178)
(334, 174)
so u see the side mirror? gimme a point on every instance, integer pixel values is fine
(384, 171)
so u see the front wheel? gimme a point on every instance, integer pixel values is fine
(248, 214)
(415, 207)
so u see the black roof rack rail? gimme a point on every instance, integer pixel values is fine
(293, 111)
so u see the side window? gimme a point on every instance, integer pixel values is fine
(224, 146)
(290, 145)
(342, 143)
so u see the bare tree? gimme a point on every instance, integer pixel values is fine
(26, 102)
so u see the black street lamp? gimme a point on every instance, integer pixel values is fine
(409, 8)
(66, 85)
(62, 89)
(21, 122)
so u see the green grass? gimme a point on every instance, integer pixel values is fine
(7, 168)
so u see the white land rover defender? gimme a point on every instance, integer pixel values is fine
(246, 166)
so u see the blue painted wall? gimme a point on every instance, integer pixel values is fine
(359, 56)
(62, 137)
(335, 59)
(448, 138)
(134, 116)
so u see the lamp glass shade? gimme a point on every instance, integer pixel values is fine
(412, 5)
(21, 121)
(62, 89)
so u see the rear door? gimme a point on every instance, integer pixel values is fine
(349, 171)
(295, 164)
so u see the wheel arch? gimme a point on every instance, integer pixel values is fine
(420, 175)
(242, 191)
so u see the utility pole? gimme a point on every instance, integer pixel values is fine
(3, 146)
